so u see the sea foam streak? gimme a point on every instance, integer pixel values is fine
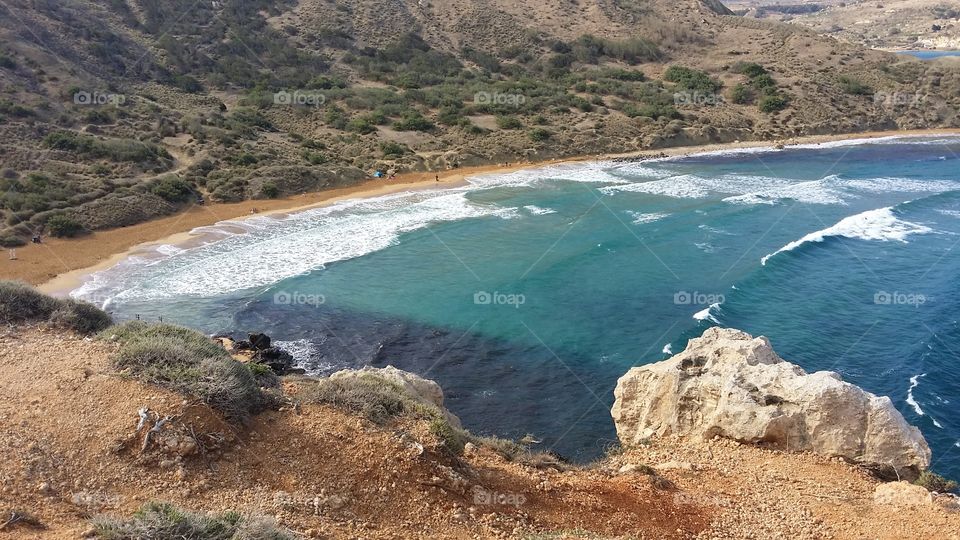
(641, 218)
(706, 314)
(303, 242)
(738, 189)
(914, 381)
(879, 224)
(538, 211)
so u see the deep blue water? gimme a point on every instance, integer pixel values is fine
(926, 54)
(526, 295)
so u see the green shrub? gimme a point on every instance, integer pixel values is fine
(772, 103)
(361, 126)
(186, 361)
(371, 396)
(652, 110)
(10, 239)
(80, 317)
(934, 482)
(164, 521)
(20, 302)
(412, 121)
(172, 189)
(390, 148)
(269, 190)
(244, 159)
(63, 226)
(750, 69)
(15, 109)
(119, 150)
(509, 122)
(741, 94)
(854, 86)
(315, 158)
(538, 134)
(764, 84)
(691, 79)
(453, 439)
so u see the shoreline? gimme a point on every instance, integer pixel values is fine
(61, 265)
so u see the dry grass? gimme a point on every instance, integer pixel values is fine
(20, 303)
(164, 521)
(187, 361)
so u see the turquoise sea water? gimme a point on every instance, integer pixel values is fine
(926, 54)
(526, 295)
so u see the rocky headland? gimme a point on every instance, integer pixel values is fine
(121, 431)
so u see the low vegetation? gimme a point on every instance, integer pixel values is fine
(187, 361)
(692, 79)
(164, 521)
(934, 482)
(382, 401)
(112, 149)
(760, 87)
(21, 303)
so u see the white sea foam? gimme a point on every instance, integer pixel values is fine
(914, 381)
(167, 249)
(706, 314)
(951, 213)
(738, 189)
(298, 244)
(759, 189)
(640, 218)
(681, 187)
(879, 224)
(896, 185)
(538, 211)
(302, 350)
(640, 169)
(714, 230)
(588, 172)
(667, 349)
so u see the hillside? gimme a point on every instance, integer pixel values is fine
(895, 24)
(114, 112)
(77, 463)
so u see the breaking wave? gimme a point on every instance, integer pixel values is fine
(879, 224)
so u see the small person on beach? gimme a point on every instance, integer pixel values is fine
(438, 178)
(13, 254)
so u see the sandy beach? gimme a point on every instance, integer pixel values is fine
(59, 265)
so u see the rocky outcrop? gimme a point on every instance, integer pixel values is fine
(730, 384)
(414, 386)
(258, 349)
(902, 494)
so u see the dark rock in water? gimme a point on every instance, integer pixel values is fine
(259, 341)
(279, 360)
(639, 158)
(242, 345)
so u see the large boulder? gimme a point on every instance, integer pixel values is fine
(902, 494)
(730, 384)
(414, 386)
